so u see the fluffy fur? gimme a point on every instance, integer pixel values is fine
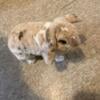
(63, 34)
(28, 40)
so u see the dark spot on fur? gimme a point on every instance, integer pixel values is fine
(19, 48)
(20, 35)
(24, 47)
(20, 53)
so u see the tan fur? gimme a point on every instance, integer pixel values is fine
(64, 29)
(29, 39)
(43, 38)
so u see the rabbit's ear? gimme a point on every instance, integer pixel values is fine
(72, 18)
(51, 38)
(50, 34)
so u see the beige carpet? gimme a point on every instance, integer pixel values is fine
(80, 80)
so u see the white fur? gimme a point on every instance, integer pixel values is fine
(38, 49)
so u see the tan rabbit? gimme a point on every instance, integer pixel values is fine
(28, 40)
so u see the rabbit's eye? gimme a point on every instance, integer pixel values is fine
(62, 42)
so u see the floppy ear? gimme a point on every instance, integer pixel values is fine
(51, 37)
(72, 18)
